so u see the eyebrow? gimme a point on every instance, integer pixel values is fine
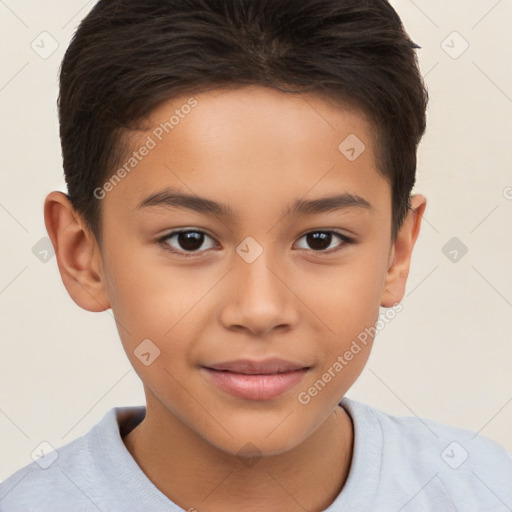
(173, 198)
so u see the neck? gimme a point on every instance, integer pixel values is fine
(196, 475)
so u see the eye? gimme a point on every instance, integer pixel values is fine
(191, 240)
(319, 241)
(181, 242)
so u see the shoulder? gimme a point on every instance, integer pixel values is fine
(57, 478)
(46, 480)
(472, 471)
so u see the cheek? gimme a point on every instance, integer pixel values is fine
(347, 298)
(149, 296)
(158, 312)
(154, 330)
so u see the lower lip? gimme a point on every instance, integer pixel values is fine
(255, 387)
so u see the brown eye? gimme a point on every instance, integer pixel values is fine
(320, 241)
(189, 241)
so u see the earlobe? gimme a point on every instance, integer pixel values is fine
(77, 252)
(396, 278)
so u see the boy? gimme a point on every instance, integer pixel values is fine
(262, 129)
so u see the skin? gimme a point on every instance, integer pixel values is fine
(257, 150)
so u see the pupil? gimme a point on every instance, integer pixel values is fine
(318, 241)
(190, 241)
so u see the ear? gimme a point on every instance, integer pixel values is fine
(401, 252)
(78, 254)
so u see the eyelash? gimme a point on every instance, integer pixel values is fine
(162, 241)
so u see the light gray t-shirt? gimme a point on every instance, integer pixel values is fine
(400, 464)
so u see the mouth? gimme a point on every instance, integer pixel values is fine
(256, 380)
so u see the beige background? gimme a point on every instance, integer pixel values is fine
(447, 356)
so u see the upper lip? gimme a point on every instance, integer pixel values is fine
(251, 367)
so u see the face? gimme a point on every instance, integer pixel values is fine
(292, 263)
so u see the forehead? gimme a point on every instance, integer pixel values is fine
(251, 146)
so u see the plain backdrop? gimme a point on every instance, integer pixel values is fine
(446, 356)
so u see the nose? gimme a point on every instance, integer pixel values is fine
(258, 299)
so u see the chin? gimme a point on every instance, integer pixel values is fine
(257, 439)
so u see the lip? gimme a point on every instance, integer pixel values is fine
(256, 380)
(251, 367)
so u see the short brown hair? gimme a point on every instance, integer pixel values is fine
(128, 56)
